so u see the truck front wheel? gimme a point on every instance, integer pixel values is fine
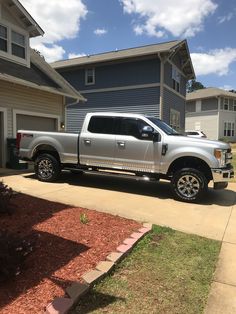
(47, 168)
(189, 185)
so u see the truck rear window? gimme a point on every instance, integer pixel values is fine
(102, 125)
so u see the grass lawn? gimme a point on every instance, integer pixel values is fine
(168, 272)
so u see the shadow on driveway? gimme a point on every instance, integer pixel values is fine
(161, 190)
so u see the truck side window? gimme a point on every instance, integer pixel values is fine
(101, 125)
(131, 127)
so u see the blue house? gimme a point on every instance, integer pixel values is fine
(149, 80)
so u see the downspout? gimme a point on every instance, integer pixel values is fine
(161, 88)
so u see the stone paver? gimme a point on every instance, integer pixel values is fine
(226, 267)
(124, 248)
(105, 266)
(92, 276)
(59, 306)
(222, 299)
(76, 290)
(130, 241)
(114, 257)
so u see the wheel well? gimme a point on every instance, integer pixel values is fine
(45, 149)
(190, 162)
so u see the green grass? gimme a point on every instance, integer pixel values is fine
(168, 272)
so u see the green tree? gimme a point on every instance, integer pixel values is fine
(193, 85)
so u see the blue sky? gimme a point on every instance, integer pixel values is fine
(77, 27)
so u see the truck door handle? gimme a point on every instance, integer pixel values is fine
(87, 141)
(121, 143)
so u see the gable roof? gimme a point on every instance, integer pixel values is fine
(208, 93)
(18, 10)
(40, 75)
(162, 48)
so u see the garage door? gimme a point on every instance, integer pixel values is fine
(25, 122)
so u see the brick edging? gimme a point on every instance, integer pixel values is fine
(61, 305)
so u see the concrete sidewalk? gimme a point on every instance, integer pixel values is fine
(215, 218)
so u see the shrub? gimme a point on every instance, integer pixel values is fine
(6, 194)
(13, 254)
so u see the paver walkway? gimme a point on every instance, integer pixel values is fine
(152, 202)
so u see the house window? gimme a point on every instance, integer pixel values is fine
(229, 129)
(234, 107)
(175, 119)
(18, 45)
(175, 79)
(3, 38)
(90, 76)
(226, 103)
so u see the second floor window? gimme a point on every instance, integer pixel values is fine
(234, 108)
(226, 103)
(18, 45)
(3, 38)
(90, 76)
(175, 79)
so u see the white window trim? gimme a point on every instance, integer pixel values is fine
(35, 114)
(226, 102)
(173, 111)
(4, 111)
(234, 105)
(86, 76)
(232, 124)
(8, 55)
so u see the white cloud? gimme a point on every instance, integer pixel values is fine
(226, 18)
(227, 87)
(100, 31)
(157, 18)
(76, 55)
(59, 19)
(215, 61)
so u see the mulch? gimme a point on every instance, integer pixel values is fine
(64, 249)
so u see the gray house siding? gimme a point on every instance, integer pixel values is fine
(173, 101)
(116, 74)
(142, 100)
(209, 104)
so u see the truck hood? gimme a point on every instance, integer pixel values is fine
(200, 142)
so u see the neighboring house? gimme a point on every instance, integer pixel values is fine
(148, 80)
(213, 111)
(32, 94)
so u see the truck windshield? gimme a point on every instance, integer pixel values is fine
(163, 126)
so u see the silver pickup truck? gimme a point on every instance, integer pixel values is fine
(134, 145)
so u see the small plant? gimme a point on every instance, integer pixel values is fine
(6, 194)
(84, 218)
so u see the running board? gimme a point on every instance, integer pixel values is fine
(116, 173)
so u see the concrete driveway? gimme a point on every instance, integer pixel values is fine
(214, 218)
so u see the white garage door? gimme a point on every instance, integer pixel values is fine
(35, 123)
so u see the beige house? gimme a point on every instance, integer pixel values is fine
(213, 111)
(32, 94)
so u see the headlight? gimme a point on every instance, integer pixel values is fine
(220, 155)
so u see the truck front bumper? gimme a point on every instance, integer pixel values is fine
(222, 176)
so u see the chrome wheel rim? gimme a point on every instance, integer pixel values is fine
(188, 186)
(45, 168)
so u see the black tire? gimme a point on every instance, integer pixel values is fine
(47, 168)
(189, 185)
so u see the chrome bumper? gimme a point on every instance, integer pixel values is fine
(222, 175)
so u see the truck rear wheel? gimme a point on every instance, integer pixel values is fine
(189, 185)
(47, 168)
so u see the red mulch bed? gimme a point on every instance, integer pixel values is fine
(65, 249)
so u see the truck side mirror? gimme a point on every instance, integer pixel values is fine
(147, 132)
